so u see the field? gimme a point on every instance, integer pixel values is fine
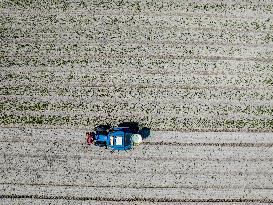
(55, 167)
(179, 65)
(198, 73)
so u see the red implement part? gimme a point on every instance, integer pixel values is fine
(90, 137)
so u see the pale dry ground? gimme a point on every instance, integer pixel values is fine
(54, 166)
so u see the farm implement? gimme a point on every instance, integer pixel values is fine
(123, 137)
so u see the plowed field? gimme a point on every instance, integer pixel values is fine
(198, 73)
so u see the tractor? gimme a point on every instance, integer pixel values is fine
(122, 137)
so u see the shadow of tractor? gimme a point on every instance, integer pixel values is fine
(134, 126)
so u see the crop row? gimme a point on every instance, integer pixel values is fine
(188, 6)
(153, 108)
(118, 79)
(147, 93)
(142, 53)
(156, 64)
(206, 7)
(143, 50)
(190, 113)
(52, 22)
(86, 35)
(156, 123)
(132, 65)
(148, 114)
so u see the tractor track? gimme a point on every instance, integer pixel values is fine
(158, 143)
(140, 86)
(178, 14)
(136, 187)
(211, 144)
(64, 170)
(27, 71)
(166, 56)
(105, 71)
(127, 13)
(135, 199)
(120, 157)
(149, 43)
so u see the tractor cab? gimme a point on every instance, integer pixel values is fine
(119, 138)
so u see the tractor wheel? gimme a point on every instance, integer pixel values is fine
(100, 144)
(90, 137)
(145, 132)
(132, 126)
(102, 129)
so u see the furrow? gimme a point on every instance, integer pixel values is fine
(179, 66)
(131, 165)
(147, 93)
(144, 151)
(71, 40)
(210, 8)
(131, 194)
(32, 100)
(175, 109)
(137, 113)
(134, 49)
(132, 180)
(149, 81)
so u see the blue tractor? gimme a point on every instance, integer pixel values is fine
(123, 137)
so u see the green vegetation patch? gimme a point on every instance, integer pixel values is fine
(156, 124)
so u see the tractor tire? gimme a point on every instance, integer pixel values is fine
(90, 137)
(132, 126)
(100, 144)
(145, 132)
(102, 129)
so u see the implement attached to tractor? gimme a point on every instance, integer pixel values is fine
(123, 137)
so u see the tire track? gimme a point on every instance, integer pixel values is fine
(134, 199)
(20, 13)
(120, 157)
(167, 56)
(178, 25)
(211, 144)
(232, 173)
(159, 143)
(175, 13)
(134, 187)
(151, 42)
(30, 71)
(60, 85)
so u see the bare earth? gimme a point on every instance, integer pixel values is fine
(55, 166)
